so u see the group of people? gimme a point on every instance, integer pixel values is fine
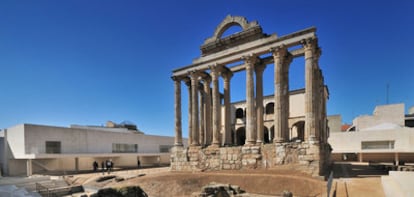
(105, 165)
(108, 165)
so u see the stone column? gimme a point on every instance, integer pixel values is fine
(279, 55)
(202, 128)
(259, 103)
(285, 96)
(250, 108)
(216, 104)
(207, 110)
(190, 127)
(227, 108)
(309, 46)
(194, 108)
(178, 140)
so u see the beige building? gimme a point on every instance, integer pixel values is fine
(28, 149)
(296, 120)
(385, 136)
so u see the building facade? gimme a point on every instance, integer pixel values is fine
(385, 136)
(28, 149)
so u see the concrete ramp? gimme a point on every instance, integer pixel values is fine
(398, 183)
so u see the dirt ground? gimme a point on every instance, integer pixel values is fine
(349, 180)
(264, 182)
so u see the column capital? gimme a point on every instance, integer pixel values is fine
(260, 67)
(310, 43)
(194, 74)
(176, 78)
(250, 59)
(227, 75)
(279, 51)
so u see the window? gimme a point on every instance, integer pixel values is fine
(124, 148)
(377, 145)
(165, 148)
(53, 147)
(239, 113)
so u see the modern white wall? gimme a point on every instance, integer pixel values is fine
(76, 140)
(382, 114)
(334, 123)
(350, 142)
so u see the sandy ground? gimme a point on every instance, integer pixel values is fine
(164, 183)
(349, 180)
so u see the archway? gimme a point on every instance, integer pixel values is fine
(272, 133)
(239, 113)
(298, 131)
(270, 108)
(266, 136)
(241, 136)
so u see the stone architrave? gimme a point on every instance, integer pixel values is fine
(178, 140)
(259, 69)
(250, 61)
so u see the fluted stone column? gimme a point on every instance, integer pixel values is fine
(194, 108)
(285, 96)
(250, 108)
(279, 55)
(201, 132)
(309, 46)
(259, 103)
(216, 104)
(207, 110)
(227, 111)
(178, 140)
(190, 106)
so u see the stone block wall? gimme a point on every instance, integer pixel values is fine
(311, 158)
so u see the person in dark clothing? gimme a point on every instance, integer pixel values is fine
(103, 167)
(95, 166)
(139, 163)
(109, 166)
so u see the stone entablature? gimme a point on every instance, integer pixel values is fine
(210, 121)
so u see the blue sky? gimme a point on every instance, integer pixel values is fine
(86, 62)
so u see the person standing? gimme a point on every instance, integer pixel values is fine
(95, 166)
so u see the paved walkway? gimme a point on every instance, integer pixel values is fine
(357, 179)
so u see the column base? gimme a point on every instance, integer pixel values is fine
(178, 144)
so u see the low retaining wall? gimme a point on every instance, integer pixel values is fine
(311, 158)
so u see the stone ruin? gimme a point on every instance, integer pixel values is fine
(216, 140)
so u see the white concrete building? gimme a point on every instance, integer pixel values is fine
(385, 136)
(26, 149)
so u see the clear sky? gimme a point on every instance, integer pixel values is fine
(86, 62)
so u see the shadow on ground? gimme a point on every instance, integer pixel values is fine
(352, 170)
